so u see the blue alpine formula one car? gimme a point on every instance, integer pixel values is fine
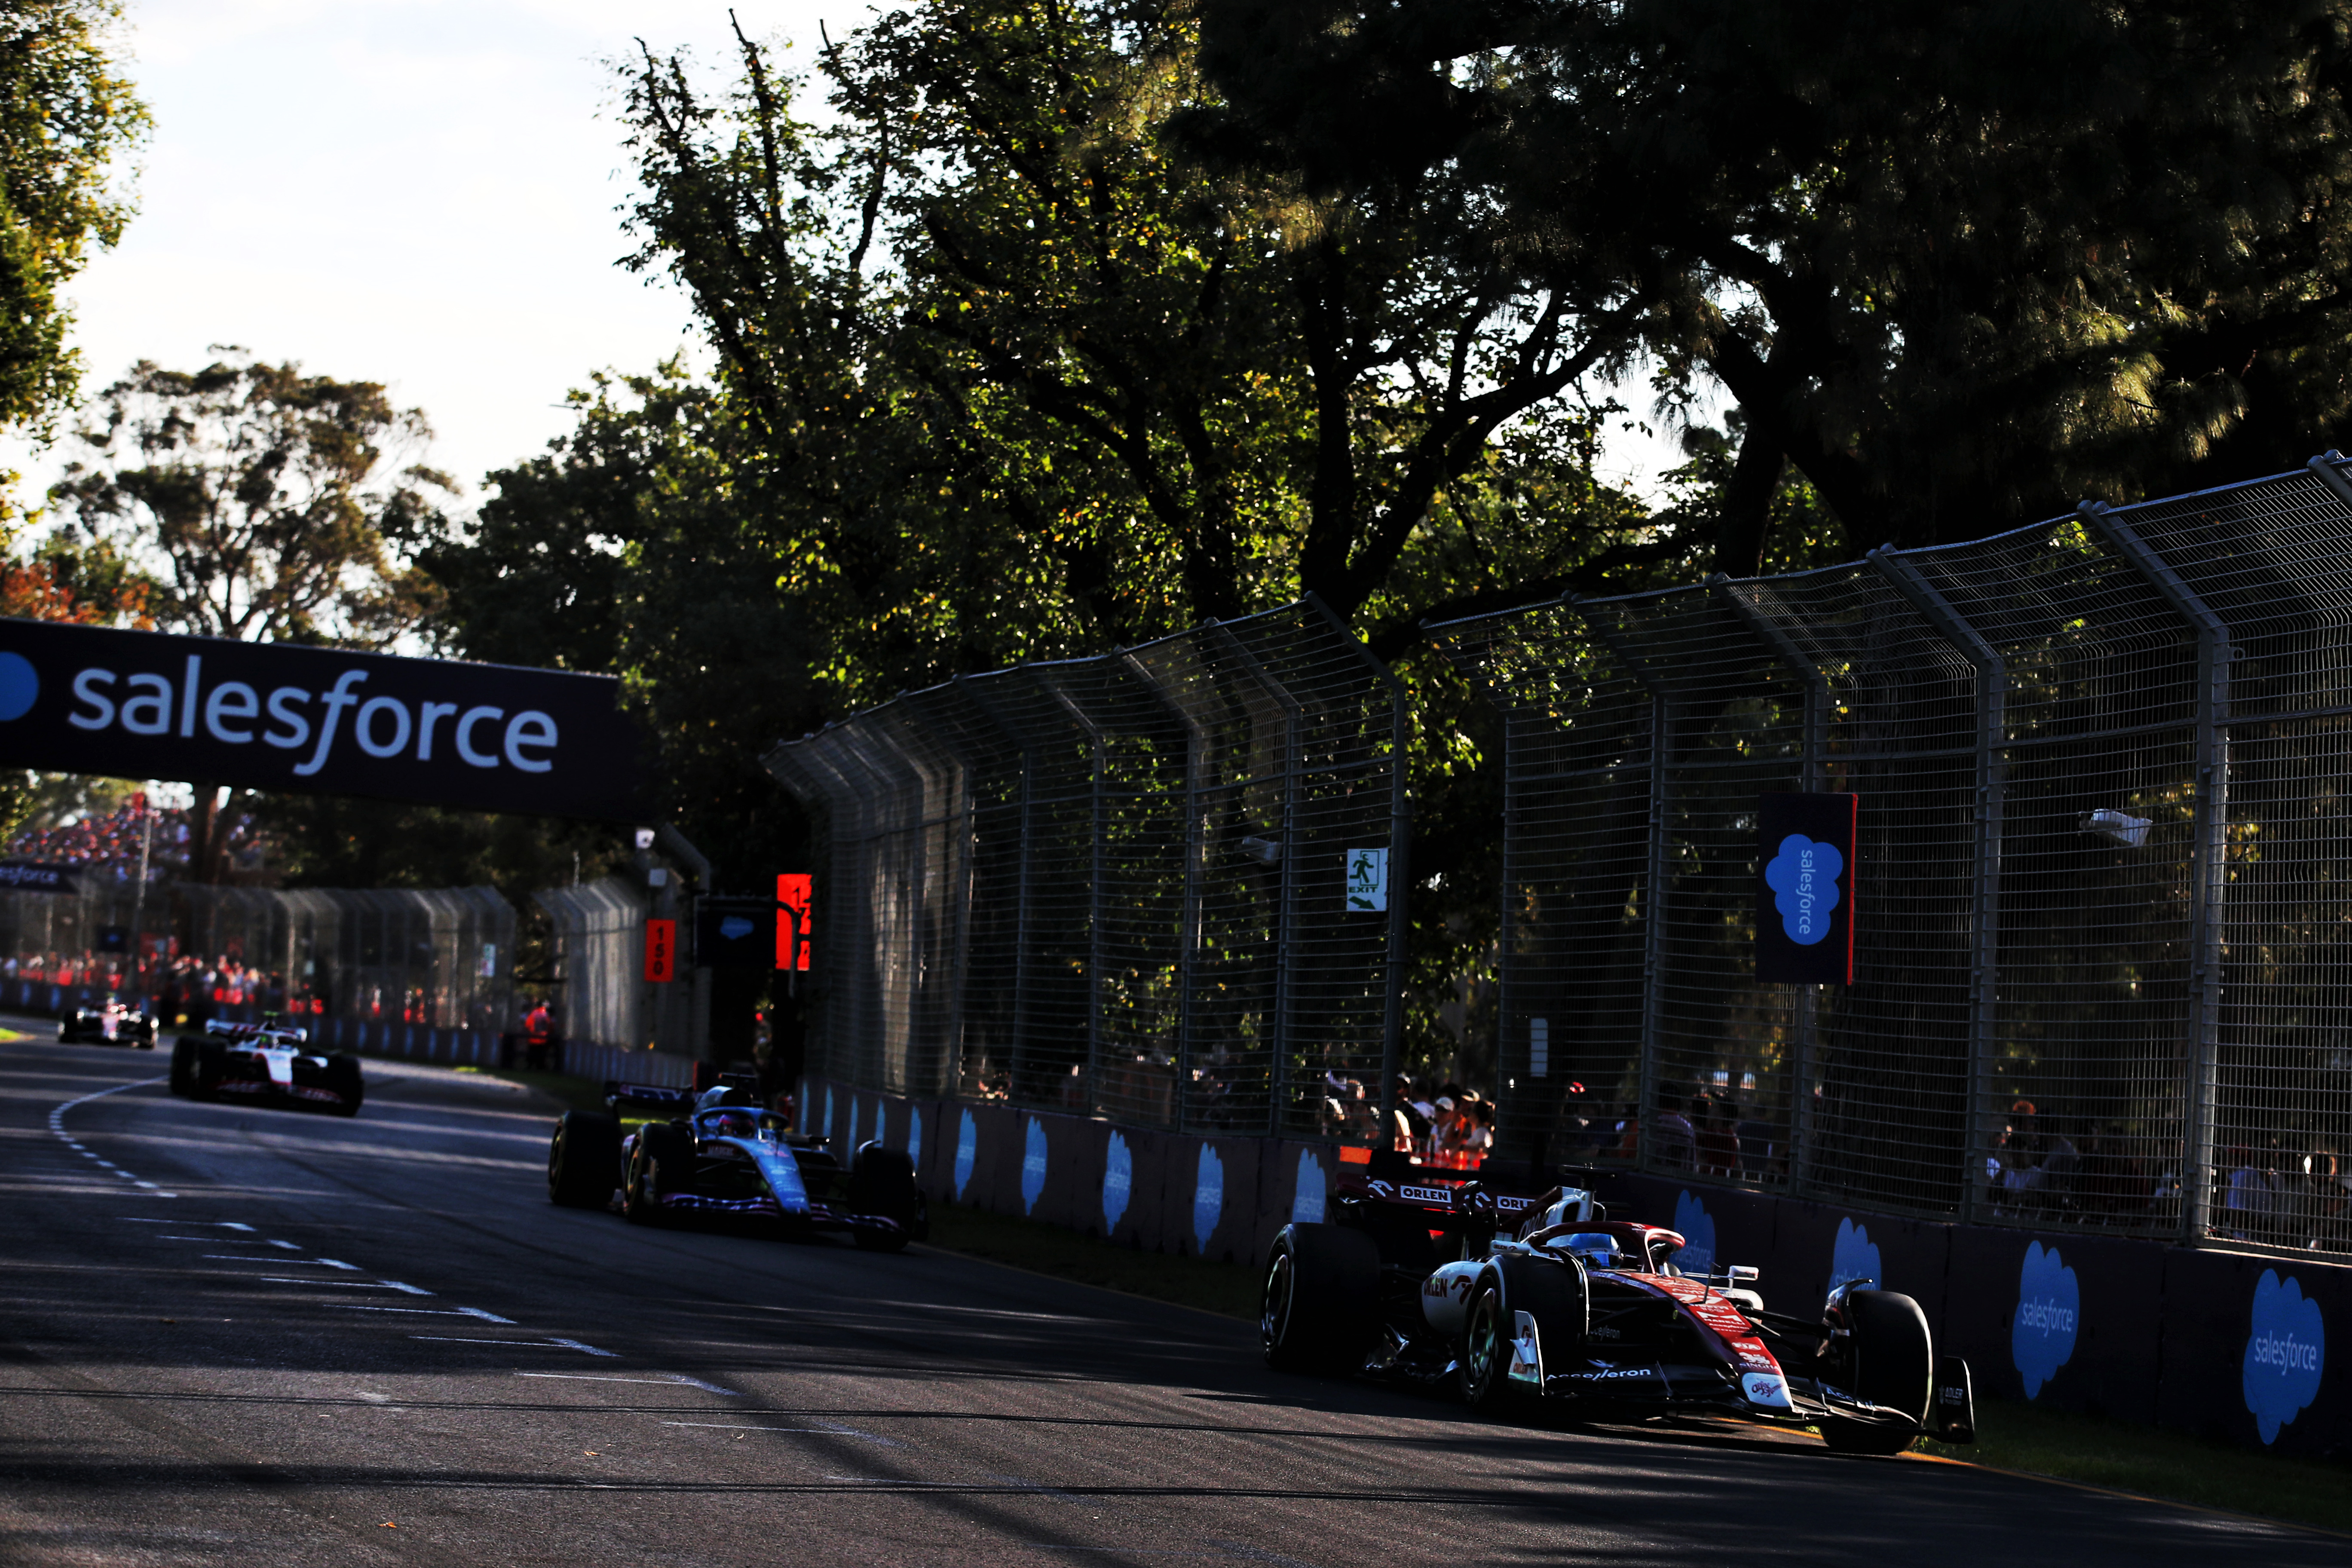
(720, 1157)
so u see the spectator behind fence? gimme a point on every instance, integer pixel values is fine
(1677, 1141)
(1719, 1145)
(2249, 1197)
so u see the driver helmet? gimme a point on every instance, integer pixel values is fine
(1597, 1249)
(726, 1094)
(739, 1124)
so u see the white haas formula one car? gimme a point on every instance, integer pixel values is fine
(115, 1024)
(266, 1061)
(1548, 1299)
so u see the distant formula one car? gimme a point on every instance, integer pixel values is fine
(266, 1061)
(1547, 1297)
(720, 1156)
(115, 1024)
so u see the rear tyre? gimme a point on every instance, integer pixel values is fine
(204, 1071)
(1894, 1366)
(661, 1163)
(343, 1078)
(882, 1182)
(1320, 1308)
(584, 1160)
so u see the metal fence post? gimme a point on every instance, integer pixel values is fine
(1654, 878)
(1188, 937)
(1770, 632)
(2209, 852)
(1023, 944)
(1400, 864)
(1984, 956)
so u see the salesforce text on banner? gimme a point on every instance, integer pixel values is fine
(280, 716)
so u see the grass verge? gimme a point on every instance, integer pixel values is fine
(2102, 1452)
(1228, 1289)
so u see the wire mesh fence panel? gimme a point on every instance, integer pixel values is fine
(1578, 730)
(1143, 894)
(599, 931)
(1720, 1043)
(2080, 1115)
(2271, 559)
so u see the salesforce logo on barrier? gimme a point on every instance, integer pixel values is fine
(1803, 880)
(1696, 1227)
(1306, 1201)
(2049, 1314)
(1854, 1256)
(915, 1135)
(967, 1153)
(1118, 1181)
(2284, 1354)
(1208, 1198)
(1033, 1165)
(20, 686)
(830, 1124)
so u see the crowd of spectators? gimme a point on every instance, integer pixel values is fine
(113, 841)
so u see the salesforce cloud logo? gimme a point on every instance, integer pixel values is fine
(1307, 1199)
(915, 1134)
(1118, 1181)
(1696, 1227)
(2049, 1314)
(2284, 1354)
(1803, 880)
(735, 927)
(1854, 1256)
(20, 686)
(967, 1152)
(1208, 1198)
(1033, 1165)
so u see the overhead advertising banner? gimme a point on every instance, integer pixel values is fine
(37, 876)
(1805, 856)
(279, 716)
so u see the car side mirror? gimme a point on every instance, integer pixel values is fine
(1741, 1274)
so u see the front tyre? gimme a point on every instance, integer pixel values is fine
(882, 1182)
(1892, 1365)
(343, 1078)
(1485, 1362)
(1321, 1305)
(661, 1163)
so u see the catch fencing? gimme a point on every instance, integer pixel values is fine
(1151, 885)
(389, 961)
(2135, 1021)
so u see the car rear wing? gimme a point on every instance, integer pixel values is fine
(647, 1097)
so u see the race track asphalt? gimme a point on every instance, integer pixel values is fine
(243, 1335)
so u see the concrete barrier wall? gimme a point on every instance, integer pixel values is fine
(2225, 1345)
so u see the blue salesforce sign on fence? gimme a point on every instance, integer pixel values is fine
(2048, 1317)
(1307, 1199)
(1118, 1182)
(1854, 1256)
(967, 1153)
(1805, 880)
(2285, 1354)
(1033, 1165)
(1696, 1227)
(1208, 1198)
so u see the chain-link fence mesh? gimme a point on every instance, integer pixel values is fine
(1122, 885)
(433, 958)
(2135, 1020)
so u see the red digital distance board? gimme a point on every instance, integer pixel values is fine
(661, 950)
(795, 900)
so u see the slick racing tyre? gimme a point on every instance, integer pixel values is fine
(882, 1181)
(342, 1076)
(584, 1160)
(183, 1066)
(1321, 1304)
(1894, 1366)
(662, 1161)
(1551, 1293)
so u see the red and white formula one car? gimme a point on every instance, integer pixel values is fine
(114, 1024)
(1545, 1298)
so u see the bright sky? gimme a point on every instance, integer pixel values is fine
(415, 191)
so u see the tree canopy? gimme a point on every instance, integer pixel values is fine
(1957, 264)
